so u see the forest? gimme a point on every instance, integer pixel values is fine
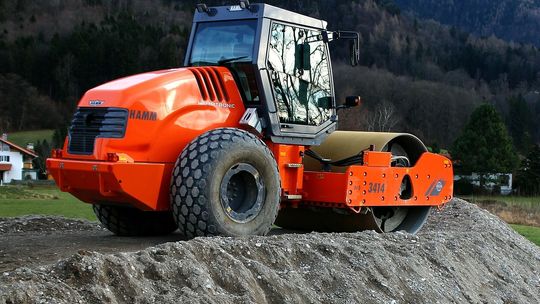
(511, 20)
(415, 75)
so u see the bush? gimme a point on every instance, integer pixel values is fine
(463, 187)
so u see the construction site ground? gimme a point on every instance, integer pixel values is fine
(463, 255)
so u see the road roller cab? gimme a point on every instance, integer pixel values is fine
(281, 63)
(244, 134)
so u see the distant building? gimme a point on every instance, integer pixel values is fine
(502, 182)
(16, 162)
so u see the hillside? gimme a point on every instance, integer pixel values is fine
(429, 76)
(25, 137)
(511, 20)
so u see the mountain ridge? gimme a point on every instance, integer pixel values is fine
(511, 20)
(430, 74)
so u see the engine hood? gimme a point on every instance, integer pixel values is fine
(162, 110)
(124, 92)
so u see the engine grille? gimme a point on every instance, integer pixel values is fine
(90, 123)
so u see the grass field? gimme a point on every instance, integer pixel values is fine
(530, 233)
(46, 200)
(22, 138)
(512, 209)
(522, 213)
(532, 203)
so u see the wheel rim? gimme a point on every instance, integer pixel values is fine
(242, 192)
(390, 218)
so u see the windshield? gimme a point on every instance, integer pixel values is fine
(223, 41)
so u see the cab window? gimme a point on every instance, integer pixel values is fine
(231, 44)
(299, 67)
(215, 41)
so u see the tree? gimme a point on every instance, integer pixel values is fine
(527, 180)
(22, 107)
(59, 136)
(43, 150)
(520, 123)
(484, 145)
(383, 119)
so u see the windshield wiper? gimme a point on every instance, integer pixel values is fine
(227, 60)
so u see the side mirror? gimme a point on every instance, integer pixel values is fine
(355, 52)
(351, 102)
(354, 44)
(325, 102)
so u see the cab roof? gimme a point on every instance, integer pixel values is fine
(257, 11)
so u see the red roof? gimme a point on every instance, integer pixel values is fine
(5, 167)
(14, 146)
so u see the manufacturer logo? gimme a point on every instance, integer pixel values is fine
(217, 104)
(439, 186)
(96, 102)
(235, 8)
(435, 188)
(142, 115)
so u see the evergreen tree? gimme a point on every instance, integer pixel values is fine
(484, 145)
(520, 123)
(527, 180)
(59, 136)
(43, 150)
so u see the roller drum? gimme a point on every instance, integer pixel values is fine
(343, 144)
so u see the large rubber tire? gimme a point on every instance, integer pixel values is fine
(225, 182)
(129, 221)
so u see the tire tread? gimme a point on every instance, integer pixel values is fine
(189, 204)
(129, 221)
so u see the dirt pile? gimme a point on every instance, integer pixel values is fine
(45, 224)
(464, 254)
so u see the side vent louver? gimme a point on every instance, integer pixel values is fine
(91, 123)
(211, 84)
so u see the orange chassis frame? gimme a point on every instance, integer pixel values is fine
(376, 183)
(373, 184)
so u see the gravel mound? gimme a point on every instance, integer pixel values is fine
(463, 255)
(38, 223)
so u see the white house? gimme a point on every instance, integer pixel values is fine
(15, 162)
(503, 180)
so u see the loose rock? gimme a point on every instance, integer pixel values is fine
(462, 255)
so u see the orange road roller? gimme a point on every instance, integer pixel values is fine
(242, 138)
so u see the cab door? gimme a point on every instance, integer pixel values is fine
(299, 68)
